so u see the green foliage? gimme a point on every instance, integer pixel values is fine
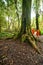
(36, 5)
(41, 32)
(4, 35)
(8, 14)
(8, 10)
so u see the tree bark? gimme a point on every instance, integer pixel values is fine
(26, 24)
(0, 27)
(37, 23)
(37, 14)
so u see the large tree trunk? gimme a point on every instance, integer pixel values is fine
(26, 17)
(26, 24)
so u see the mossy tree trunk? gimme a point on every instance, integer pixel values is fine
(26, 17)
(0, 26)
(26, 23)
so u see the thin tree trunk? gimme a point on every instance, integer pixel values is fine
(37, 14)
(37, 23)
(0, 26)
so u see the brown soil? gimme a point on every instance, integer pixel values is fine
(19, 53)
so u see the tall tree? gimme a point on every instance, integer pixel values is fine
(36, 6)
(37, 14)
(26, 23)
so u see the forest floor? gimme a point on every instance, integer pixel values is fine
(19, 53)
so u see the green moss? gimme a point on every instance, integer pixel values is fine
(5, 35)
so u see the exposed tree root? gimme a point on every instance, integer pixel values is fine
(30, 38)
(37, 39)
(32, 41)
(33, 44)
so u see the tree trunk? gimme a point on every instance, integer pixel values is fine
(8, 24)
(26, 24)
(26, 16)
(0, 29)
(37, 23)
(25, 31)
(37, 14)
(0, 26)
